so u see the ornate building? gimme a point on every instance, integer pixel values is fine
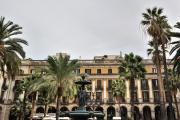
(102, 71)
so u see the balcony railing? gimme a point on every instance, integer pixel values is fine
(155, 87)
(157, 100)
(99, 88)
(111, 102)
(109, 88)
(95, 101)
(144, 87)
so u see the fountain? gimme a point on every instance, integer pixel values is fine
(81, 113)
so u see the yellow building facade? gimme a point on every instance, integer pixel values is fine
(101, 70)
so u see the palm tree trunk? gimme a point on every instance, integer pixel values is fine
(161, 85)
(24, 106)
(132, 84)
(58, 102)
(45, 110)
(177, 108)
(166, 79)
(7, 95)
(33, 105)
(161, 94)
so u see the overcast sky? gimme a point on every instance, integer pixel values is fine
(84, 27)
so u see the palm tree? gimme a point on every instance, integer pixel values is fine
(174, 85)
(176, 48)
(133, 69)
(17, 110)
(176, 34)
(118, 88)
(46, 96)
(29, 87)
(11, 50)
(157, 27)
(9, 43)
(61, 69)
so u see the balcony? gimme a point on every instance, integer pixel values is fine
(109, 88)
(99, 101)
(135, 100)
(155, 87)
(157, 100)
(99, 88)
(146, 100)
(144, 87)
(111, 102)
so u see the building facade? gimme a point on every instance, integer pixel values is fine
(102, 70)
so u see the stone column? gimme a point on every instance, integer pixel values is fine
(127, 92)
(139, 92)
(104, 91)
(151, 96)
(93, 85)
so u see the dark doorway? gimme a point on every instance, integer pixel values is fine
(52, 109)
(169, 117)
(63, 109)
(137, 114)
(40, 110)
(99, 108)
(111, 112)
(147, 113)
(74, 108)
(157, 113)
(123, 113)
(88, 108)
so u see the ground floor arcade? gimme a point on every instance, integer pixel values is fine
(141, 111)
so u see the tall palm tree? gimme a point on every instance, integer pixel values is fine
(176, 34)
(47, 96)
(11, 50)
(176, 58)
(133, 69)
(118, 88)
(29, 87)
(174, 85)
(61, 69)
(157, 27)
(176, 48)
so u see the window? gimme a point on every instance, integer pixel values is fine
(145, 96)
(144, 84)
(110, 96)
(88, 71)
(168, 97)
(109, 84)
(135, 97)
(98, 71)
(99, 85)
(155, 84)
(98, 96)
(154, 70)
(156, 96)
(109, 71)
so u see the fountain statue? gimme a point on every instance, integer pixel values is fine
(81, 113)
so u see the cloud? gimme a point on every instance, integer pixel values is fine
(83, 27)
